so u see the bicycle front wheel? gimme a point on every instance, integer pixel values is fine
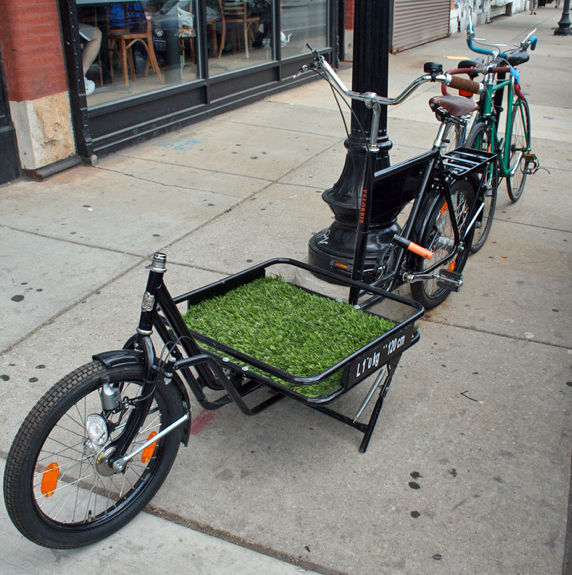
(58, 489)
(438, 236)
(480, 138)
(519, 147)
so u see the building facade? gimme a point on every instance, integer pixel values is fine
(82, 78)
(101, 74)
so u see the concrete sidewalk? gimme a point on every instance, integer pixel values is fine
(479, 412)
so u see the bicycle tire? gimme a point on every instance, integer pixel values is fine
(480, 138)
(519, 147)
(437, 235)
(54, 491)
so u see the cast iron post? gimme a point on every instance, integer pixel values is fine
(333, 248)
(564, 24)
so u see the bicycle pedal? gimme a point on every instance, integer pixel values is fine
(532, 164)
(450, 280)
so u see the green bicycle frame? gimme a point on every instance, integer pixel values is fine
(490, 112)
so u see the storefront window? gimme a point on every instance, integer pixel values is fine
(130, 48)
(240, 34)
(302, 22)
(155, 65)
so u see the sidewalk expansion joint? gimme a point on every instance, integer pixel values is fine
(74, 304)
(236, 540)
(67, 241)
(529, 225)
(163, 163)
(490, 332)
(290, 130)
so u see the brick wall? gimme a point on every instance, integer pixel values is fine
(32, 52)
(349, 8)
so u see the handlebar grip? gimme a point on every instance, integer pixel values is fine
(464, 84)
(420, 251)
(533, 40)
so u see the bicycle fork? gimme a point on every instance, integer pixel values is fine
(115, 457)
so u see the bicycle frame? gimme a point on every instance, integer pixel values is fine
(379, 204)
(190, 367)
(432, 165)
(490, 112)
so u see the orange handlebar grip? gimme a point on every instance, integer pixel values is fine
(420, 251)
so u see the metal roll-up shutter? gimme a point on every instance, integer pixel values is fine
(416, 22)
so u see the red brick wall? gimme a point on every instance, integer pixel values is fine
(349, 15)
(31, 43)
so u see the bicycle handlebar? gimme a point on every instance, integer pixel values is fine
(371, 98)
(529, 42)
(469, 71)
(464, 84)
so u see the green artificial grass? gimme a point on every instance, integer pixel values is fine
(284, 326)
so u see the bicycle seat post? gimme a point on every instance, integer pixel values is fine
(439, 138)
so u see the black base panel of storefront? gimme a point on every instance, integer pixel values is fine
(138, 119)
(10, 162)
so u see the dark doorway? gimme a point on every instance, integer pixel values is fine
(10, 164)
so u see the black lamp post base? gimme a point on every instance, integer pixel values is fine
(332, 249)
(564, 24)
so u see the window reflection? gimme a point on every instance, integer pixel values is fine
(241, 34)
(143, 46)
(131, 48)
(302, 22)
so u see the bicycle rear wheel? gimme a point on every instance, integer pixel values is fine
(480, 138)
(437, 235)
(519, 147)
(58, 488)
(452, 137)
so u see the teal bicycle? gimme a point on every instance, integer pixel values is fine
(509, 136)
(515, 159)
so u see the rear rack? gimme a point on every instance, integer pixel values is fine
(464, 161)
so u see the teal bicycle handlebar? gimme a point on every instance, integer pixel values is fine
(533, 40)
(529, 41)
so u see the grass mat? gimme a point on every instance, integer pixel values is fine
(286, 327)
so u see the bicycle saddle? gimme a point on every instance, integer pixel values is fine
(455, 105)
(517, 57)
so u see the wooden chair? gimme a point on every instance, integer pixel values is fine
(235, 14)
(123, 39)
(184, 34)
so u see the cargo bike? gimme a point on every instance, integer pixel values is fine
(97, 447)
(99, 444)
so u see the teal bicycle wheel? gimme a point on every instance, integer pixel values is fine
(480, 138)
(518, 149)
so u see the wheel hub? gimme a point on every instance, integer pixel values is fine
(102, 465)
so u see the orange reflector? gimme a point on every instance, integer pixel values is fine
(148, 451)
(451, 266)
(50, 480)
(444, 208)
(340, 265)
